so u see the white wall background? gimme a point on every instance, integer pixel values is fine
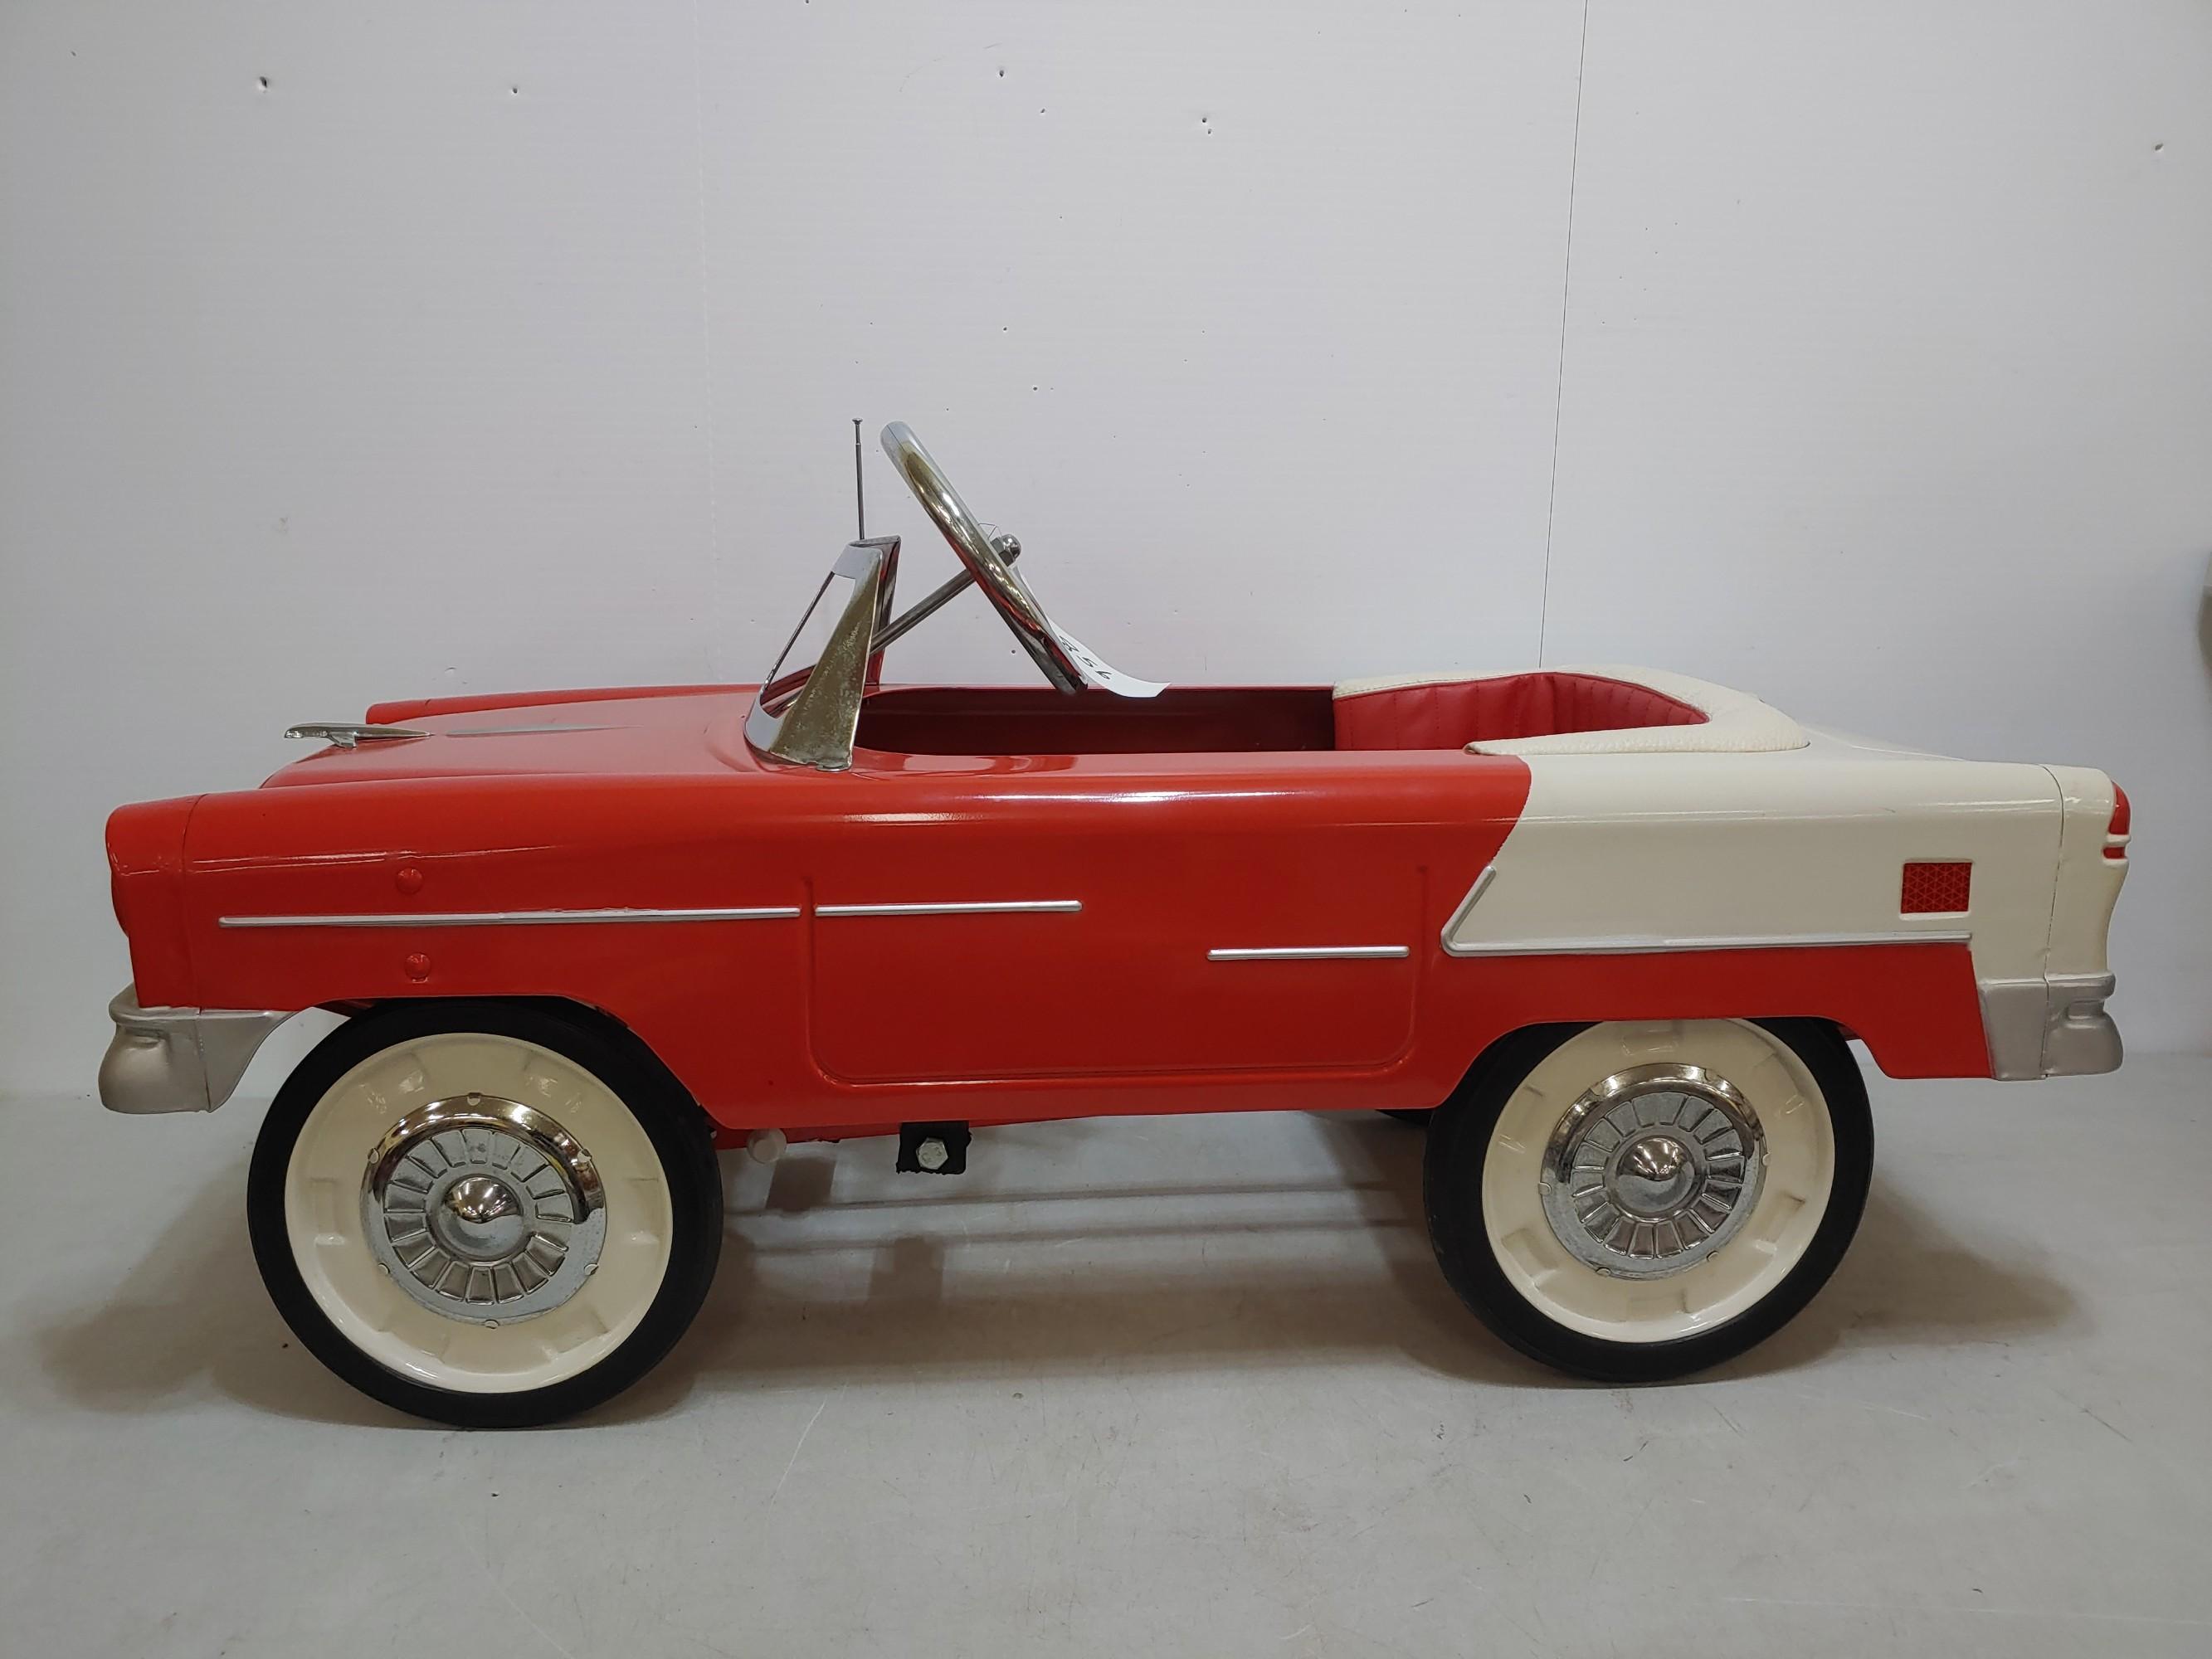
(1860, 356)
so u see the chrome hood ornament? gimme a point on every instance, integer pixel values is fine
(343, 734)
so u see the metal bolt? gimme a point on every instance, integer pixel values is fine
(480, 1199)
(931, 1154)
(1657, 1157)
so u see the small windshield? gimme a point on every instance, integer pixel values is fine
(810, 703)
(816, 630)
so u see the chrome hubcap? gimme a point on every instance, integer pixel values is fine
(1652, 1170)
(484, 1209)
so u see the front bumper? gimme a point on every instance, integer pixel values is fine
(2054, 1027)
(179, 1059)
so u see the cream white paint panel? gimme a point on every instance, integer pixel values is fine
(2089, 883)
(1649, 851)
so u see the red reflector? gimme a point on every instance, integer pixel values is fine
(1934, 889)
(2116, 832)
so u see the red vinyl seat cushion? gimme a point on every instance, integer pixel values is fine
(1452, 713)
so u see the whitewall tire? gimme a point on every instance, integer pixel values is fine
(490, 1213)
(1633, 1201)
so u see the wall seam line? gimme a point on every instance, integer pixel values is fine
(716, 588)
(1560, 384)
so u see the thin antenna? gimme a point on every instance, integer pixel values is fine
(859, 490)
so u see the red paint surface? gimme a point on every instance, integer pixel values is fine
(145, 865)
(1452, 714)
(1181, 719)
(813, 1023)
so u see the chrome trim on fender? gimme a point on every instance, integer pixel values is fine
(2053, 1027)
(1474, 896)
(983, 908)
(1311, 953)
(545, 729)
(1633, 945)
(1619, 947)
(513, 918)
(179, 1059)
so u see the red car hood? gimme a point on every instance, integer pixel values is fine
(653, 732)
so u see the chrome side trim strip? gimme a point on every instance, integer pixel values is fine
(1618, 947)
(1630, 946)
(1473, 894)
(513, 917)
(982, 908)
(518, 731)
(1311, 953)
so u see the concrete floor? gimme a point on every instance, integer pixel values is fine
(1158, 1387)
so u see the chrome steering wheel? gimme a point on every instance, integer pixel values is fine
(1009, 595)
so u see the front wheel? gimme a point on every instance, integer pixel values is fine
(1632, 1202)
(489, 1214)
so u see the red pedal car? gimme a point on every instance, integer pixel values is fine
(1618, 927)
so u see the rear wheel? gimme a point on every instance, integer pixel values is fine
(487, 1213)
(1632, 1202)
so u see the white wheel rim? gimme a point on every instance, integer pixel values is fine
(474, 1354)
(1799, 1173)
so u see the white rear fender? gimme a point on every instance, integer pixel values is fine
(2053, 1023)
(1810, 848)
(2093, 864)
(1802, 847)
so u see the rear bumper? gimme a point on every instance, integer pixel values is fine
(179, 1059)
(2054, 1027)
